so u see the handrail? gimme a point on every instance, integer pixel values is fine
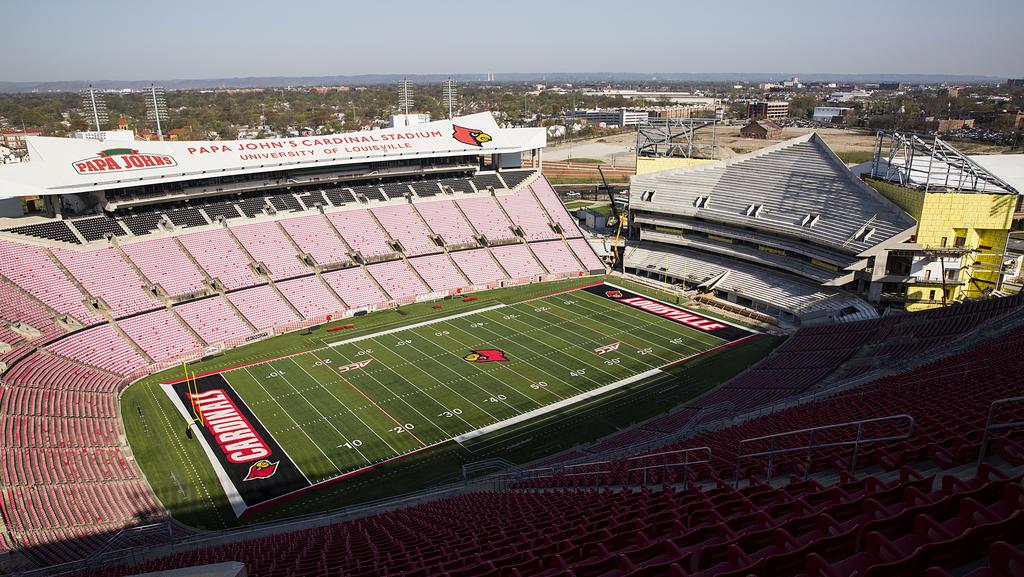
(811, 445)
(686, 462)
(607, 466)
(999, 427)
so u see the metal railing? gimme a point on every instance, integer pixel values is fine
(989, 426)
(811, 445)
(687, 458)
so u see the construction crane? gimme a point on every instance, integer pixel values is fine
(616, 219)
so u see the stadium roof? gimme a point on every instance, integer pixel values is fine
(798, 188)
(70, 165)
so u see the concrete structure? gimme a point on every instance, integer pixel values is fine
(769, 110)
(787, 230)
(1015, 82)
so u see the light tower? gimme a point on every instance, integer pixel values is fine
(94, 102)
(156, 108)
(448, 95)
(405, 95)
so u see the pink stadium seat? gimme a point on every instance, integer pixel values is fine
(220, 257)
(106, 275)
(269, 245)
(355, 288)
(262, 307)
(479, 266)
(310, 297)
(523, 210)
(445, 220)
(487, 218)
(439, 272)
(516, 257)
(396, 278)
(556, 257)
(581, 248)
(101, 347)
(405, 226)
(314, 235)
(30, 268)
(213, 319)
(361, 232)
(161, 335)
(554, 207)
(164, 263)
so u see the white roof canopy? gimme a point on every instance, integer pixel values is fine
(69, 165)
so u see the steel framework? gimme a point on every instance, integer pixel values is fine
(908, 160)
(676, 137)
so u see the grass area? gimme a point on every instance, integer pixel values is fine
(418, 377)
(855, 156)
(604, 209)
(584, 161)
(577, 204)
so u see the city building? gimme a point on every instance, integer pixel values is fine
(763, 129)
(832, 113)
(14, 138)
(403, 120)
(951, 124)
(1015, 82)
(119, 135)
(771, 110)
(612, 116)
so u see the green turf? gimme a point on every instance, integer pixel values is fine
(418, 377)
(419, 391)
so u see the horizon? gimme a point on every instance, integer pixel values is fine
(234, 41)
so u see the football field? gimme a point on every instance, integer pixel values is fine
(278, 427)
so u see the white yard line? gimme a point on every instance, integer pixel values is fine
(347, 408)
(556, 406)
(416, 325)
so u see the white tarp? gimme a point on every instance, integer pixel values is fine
(65, 165)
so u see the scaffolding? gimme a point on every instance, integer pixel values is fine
(909, 160)
(676, 138)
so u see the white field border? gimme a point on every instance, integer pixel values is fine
(234, 498)
(417, 325)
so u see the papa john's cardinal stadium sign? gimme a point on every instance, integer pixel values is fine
(64, 165)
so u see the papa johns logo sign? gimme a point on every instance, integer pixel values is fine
(122, 160)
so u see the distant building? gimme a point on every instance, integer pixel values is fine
(180, 133)
(770, 110)
(890, 85)
(1015, 82)
(612, 116)
(14, 138)
(832, 113)
(122, 135)
(763, 129)
(949, 125)
(848, 96)
(403, 120)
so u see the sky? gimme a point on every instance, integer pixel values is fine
(50, 40)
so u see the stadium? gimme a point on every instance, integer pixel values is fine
(395, 352)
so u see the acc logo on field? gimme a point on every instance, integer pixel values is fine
(261, 469)
(485, 356)
(613, 294)
(470, 136)
(122, 159)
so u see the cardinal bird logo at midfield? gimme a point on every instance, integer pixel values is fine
(485, 356)
(613, 294)
(470, 136)
(261, 469)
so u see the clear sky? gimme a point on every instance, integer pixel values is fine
(160, 39)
